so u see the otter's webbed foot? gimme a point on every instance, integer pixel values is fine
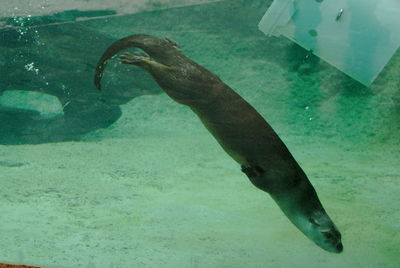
(135, 58)
(142, 60)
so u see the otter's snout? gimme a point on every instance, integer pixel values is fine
(339, 247)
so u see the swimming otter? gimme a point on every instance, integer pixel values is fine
(238, 127)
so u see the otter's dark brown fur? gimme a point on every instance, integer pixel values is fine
(238, 127)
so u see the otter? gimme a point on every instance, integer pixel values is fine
(240, 130)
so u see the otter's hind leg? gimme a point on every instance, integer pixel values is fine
(141, 60)
(135, 58)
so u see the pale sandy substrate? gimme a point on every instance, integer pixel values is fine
(10, 8)
(155, 190)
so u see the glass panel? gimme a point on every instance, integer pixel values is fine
(357, 37)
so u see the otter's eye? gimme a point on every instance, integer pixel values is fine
(313, 221)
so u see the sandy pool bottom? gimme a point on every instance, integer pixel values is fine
(156, 190)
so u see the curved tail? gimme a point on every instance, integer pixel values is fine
(137, 40)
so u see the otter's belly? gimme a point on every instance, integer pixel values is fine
(243, 133)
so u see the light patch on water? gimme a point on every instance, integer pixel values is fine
(45, 104)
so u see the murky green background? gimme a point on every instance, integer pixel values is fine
(128, 178)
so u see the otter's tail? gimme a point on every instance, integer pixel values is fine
(137, 40)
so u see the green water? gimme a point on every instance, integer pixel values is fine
(129, 178)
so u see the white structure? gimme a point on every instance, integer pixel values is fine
(357, 36)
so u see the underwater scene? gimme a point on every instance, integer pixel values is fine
(182, 134)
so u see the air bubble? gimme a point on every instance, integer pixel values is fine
(30, 67)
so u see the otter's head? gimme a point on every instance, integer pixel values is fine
(305, 211)
(320, 229)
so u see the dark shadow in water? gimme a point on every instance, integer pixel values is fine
(57, 55)
(59, 60)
